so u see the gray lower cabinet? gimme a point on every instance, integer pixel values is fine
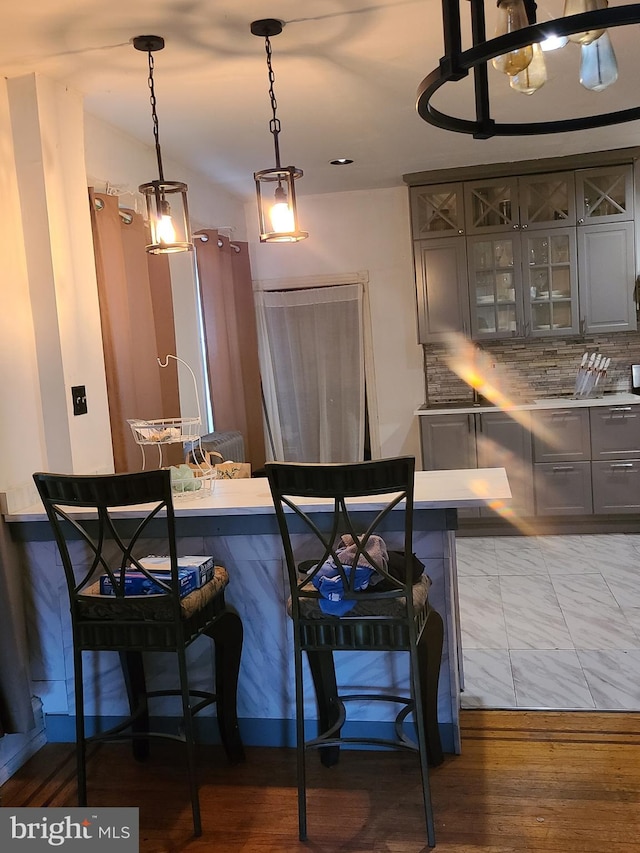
(616, 486)
(563, 488)
(615, 432)
(559, 462)
(503, 442)
(561, 435)
(486, 440)
(449, 442)
(615, 470)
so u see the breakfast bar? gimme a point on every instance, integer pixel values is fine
(236, 524)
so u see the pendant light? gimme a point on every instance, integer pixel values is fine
(277, 209)
(166, 201)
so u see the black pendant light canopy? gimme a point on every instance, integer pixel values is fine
(166, 201)
(275, 187)
(589, 28)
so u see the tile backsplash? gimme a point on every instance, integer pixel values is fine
(540, 367)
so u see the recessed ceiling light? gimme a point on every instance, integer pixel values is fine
(341, 161)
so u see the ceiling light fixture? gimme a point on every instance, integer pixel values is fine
(278, 212)
(516, 39)
(168, 220)
(340, 161)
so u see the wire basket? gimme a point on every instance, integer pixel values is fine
(165, 431)
(160, 432)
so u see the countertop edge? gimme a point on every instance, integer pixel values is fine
(621, 399)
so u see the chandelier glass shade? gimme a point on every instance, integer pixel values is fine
(515, 34)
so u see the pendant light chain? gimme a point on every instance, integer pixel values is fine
(274, 124)
(154, 115)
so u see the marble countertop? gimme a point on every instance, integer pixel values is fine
(433, 490)
(617, 399)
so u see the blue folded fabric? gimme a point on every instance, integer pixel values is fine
(330, 586)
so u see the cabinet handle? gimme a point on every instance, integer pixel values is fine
(622, 464)
(524, 227)
(560, 413)
(563, 468)
(580, 221)
(620, 409)
(516, 227)
(460, 231)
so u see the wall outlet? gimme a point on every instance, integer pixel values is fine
(79, 397)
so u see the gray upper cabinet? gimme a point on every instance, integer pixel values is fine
(441, 288)
(546, 255)
(606, 248)
(604, 195)
(491, 205)
(495, 285)
(547, 201)
(606, 273)
(520, 203)
(437, 211)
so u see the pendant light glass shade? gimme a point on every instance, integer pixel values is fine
(534, 75)
(275, 188)
(168, 217)
(598, 66)
(512, 16)
(277, 210)
(577, 7)
(166, 201)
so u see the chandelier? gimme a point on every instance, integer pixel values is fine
(517, 50)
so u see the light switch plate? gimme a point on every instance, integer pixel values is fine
(79, 397)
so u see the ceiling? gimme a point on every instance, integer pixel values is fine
(346, 75)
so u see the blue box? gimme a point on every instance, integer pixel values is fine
(136, 583)
(162, 566)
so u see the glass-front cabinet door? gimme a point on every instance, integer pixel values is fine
(550, 283)
(491, 205)
(547, 201)
(604, 195)
(437, 211)
(495, 286)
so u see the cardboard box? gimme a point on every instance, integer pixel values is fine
(161, 566)
(137, 583)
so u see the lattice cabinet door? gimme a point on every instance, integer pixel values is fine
(492, 205)
(437, 211)
(547, 201)
(604, 194)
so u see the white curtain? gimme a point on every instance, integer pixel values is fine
(312, 365)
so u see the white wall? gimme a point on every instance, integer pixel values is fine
(364, 230)
(112, 156)
(21, 438)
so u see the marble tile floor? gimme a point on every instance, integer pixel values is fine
(550, 622)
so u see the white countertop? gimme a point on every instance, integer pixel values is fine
(619, 399)
(433, 490)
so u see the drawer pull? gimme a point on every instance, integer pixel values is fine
(563, 468)
(618, 409)
(622, 464)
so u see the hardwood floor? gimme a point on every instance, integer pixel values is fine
(556, 782)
